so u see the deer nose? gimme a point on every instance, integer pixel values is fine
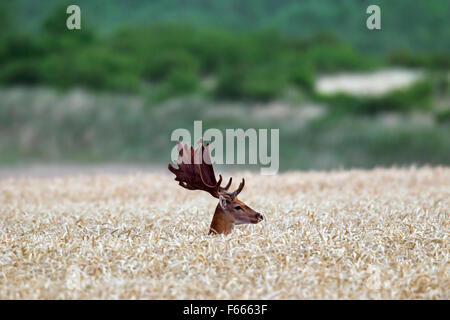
(260, 216)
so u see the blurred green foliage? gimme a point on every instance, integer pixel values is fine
(413, 25)
(256, 66)
(443, 116)
(232, 55)
(174, 60)
(436, 61)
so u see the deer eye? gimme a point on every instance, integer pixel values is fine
(238, 208)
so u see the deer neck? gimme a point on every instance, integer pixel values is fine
(220, 224)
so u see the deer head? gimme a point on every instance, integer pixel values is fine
(199, 175)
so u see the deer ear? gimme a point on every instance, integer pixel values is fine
(223, 201)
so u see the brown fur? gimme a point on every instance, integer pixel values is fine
(225, 219)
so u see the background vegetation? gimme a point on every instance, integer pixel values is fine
(137, 70)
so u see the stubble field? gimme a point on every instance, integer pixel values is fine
(358, 234)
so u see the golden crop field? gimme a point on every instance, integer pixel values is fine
(358, 234)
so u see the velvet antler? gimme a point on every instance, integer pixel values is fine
(195, 171)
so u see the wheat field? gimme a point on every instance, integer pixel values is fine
(357, 234)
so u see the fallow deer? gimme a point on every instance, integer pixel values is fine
(199, 175)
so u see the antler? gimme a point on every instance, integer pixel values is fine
(239, 189)
(195, 171)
